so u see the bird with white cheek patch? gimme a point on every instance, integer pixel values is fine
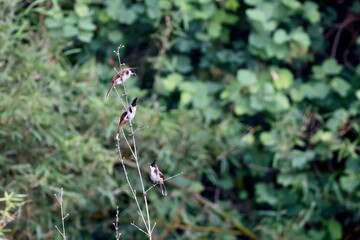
(127, 116)
(157, 177)
(120, 78)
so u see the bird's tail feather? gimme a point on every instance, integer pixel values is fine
(111, 87)
(163, 189)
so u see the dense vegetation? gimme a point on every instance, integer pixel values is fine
(257, 102)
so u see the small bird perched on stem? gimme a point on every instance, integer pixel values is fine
(120, 78)
(157, 177)
(127, 116)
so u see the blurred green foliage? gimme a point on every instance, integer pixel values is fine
(257, 102)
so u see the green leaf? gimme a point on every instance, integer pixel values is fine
(256, 103)
(299, 159)
(311, 12)
(85, 36)
(259, 40)
(115, 36)
(301, 37)
(350, 181)
(264, 194)
(292, 4)
(331, 66)
(267, 139)
(86, 24)
(214, 29)
(167, 85)
(340, 86)
(281, 103)
(70, 31)
(196, 187)
(256, 15)
(152, 8)
(81, 9)
(53, 23)
(183, 63)
(335, 229)
(357, 94)
(253, 2)
(280, 51)
(283, 78)
(246, 77)
(280, 36)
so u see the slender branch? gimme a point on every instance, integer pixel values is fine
(133, 192)
(135, 156)
(60, 201)
(141, 180)
(138, 129)
(133, 224)
(164, 180)
(153, 227)
(120, 97)
(116, 224)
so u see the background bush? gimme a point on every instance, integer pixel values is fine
(257, 102)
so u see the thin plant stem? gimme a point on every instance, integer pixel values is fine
(141, 181)
(133, 224)
(116, 224)
(166, 179)
(60, 201)
(135, 156)
(133, 192)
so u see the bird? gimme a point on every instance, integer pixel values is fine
(157, 177)
(120, 78)
(127, 116)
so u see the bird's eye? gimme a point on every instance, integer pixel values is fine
(127, 72)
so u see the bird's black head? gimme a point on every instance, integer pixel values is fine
(134, 102)
(153, 164)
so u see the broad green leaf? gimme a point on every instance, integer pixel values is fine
(85, 36)
(283, 78)
(53, 23)
(264, 194)
(299, 159)
(183, 63)
(350, 181)
(153, 10)
(196, 187)
(311, 12)
(115, 36)
(357, 94)
(335, 229)
(340, 86)
(256, 15)
(331, 66)
(301, 37)
(256, 103)
(81, 9)
(214, 29)
(281, 102)
(268, 139)
(280, 51)
(280, 36)
(292, 4)
(246, 77)
(86, 24)
(253, 2)
(168, 84)
(70, 31)
(259, 40)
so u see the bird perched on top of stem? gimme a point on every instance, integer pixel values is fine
(157, 177)
(127, 116)
(120, 78)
